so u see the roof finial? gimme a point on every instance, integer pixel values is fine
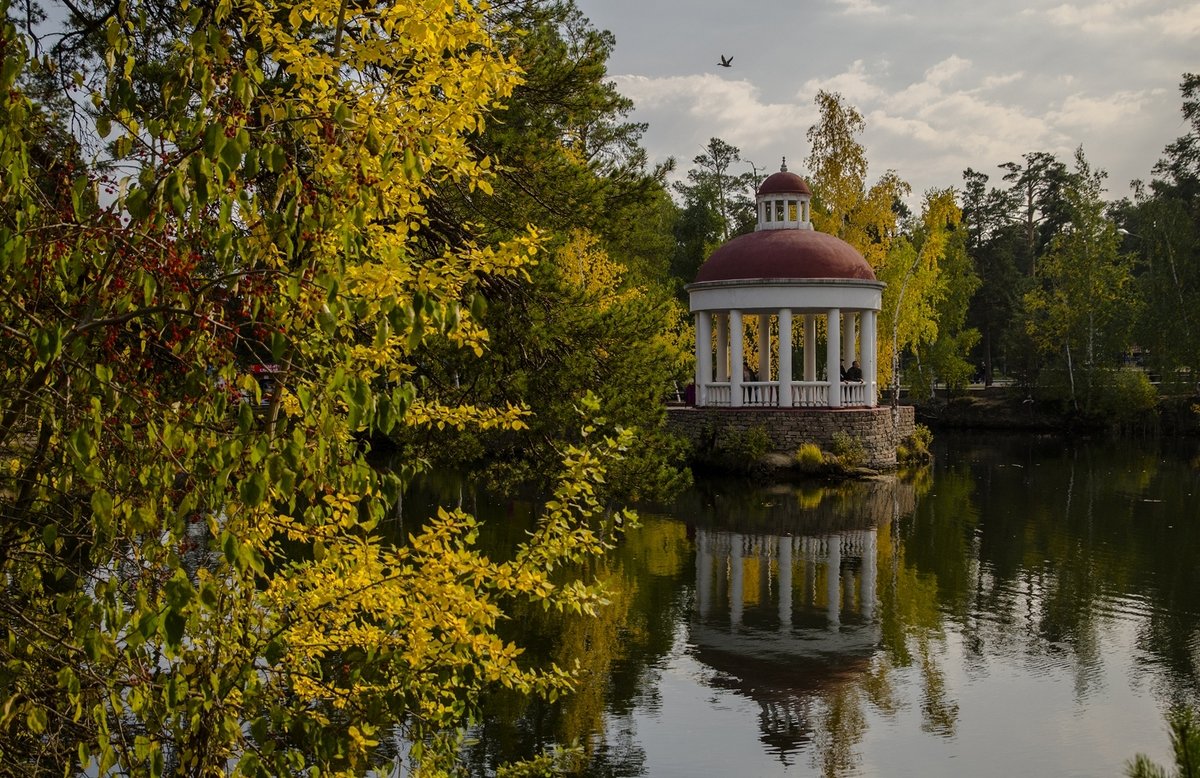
(783, 165)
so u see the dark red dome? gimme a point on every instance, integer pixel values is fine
(779, 254)
(784, 182)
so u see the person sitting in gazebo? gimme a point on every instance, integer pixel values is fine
(854, 372)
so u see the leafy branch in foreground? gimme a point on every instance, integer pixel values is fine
(195, 569)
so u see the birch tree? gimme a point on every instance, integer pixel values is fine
(1082, 309)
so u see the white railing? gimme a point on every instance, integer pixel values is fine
(854, 394)
(804, 394)
(760, 393)
(810, 394)
(717, 394)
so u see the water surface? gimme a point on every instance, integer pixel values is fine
(1028, 606)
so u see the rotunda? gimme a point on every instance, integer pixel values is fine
(785, 272)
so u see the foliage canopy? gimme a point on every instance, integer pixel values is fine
(198, 568)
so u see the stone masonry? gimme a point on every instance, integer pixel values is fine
(788, 428)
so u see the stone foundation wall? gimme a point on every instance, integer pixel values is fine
(788, 428)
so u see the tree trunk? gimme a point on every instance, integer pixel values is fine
(1071, 376)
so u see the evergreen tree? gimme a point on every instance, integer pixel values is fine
(1162, 226)
(993, 242)
(569, 162)
(715, 184)
(1038, 186)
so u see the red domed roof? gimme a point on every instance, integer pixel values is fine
(784, 182)
(785, 254)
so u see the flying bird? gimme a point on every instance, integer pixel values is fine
(726, 62)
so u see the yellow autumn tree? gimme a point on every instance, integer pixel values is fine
(866, 217)
(915, 282)
(843, 204)
(202, 335)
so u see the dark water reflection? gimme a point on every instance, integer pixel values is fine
(1030, 606)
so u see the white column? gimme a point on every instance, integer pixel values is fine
(848, 337)
(833, 580)
(721, 322)
(764, 346)
(736, 359)
(832, 355)
(704, 355)
(810, 572)
(869, 565)
(785, 583)
(783, 361)
(810, 347)
(870, 356)
(704, 572)
(736, 594)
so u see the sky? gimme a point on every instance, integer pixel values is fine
(942, 85)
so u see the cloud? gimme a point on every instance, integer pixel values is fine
(1001, 79)
(710, 106)
(1123, 18)
(926, 124)
(862, 8)
(856, 84)
(1181, 23)
(947, 69)
(1083, 111)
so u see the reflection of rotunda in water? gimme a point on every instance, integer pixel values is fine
(786, 620)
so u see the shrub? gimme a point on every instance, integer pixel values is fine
(1122, 396)
(809, 458)
(914, 449)
(733, 450)
(1113, 396)
(848, 450)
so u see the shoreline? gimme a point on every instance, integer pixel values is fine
(1012, 408)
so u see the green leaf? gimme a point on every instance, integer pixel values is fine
(214, 139)
(173, 626)
(209, 596)
(275, 651)
(279, 343)
(253, 490)
(81, 445)
(178, 590)
(231, 156)
(478, 306)
(245, 417)
(382, 332)
(47, 343)
(250, 164)
(36, 719)
(229, 546)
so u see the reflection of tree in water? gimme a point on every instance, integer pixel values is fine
(1065, 539)
(644, 578)
(844, 727)
(912, 625)
(1027, 553)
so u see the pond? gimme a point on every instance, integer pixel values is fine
(1028, 605)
